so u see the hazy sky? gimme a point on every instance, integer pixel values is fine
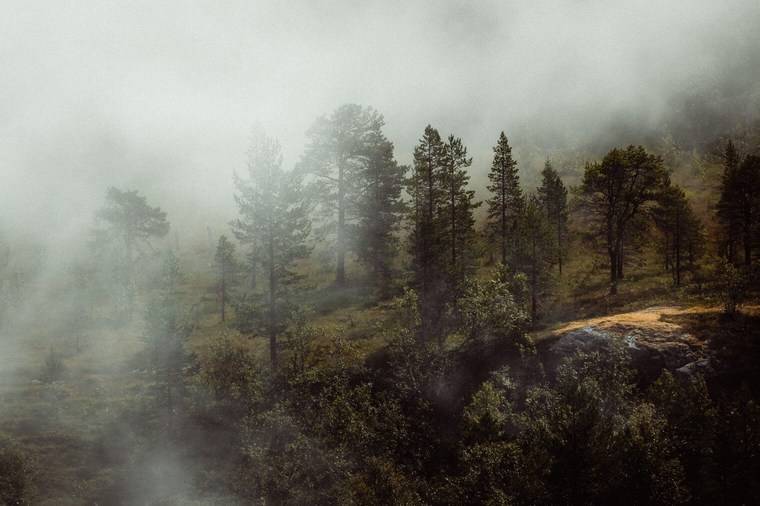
(161, 95)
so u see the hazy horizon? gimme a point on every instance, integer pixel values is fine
(162, 97)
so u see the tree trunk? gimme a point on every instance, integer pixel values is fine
(503, 218)
(677, 248)
(272, 315)
(559, 244)
(223, 291)
(340, 272)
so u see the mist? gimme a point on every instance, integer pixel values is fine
(162, 97)
(166, 98)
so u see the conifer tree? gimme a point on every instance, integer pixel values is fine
(728, 211)
(427, 250)
(335, 161)
(130, 225)
(747, 204)
(457, 214)
(536, 255)
(380, 209)
(281, 228)
(506, 202)
(614, 193)
(167, 327)
(553, 197)
(227, 266)
(680, 228)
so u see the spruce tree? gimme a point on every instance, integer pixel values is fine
(457, 214)
(427, 248)
(380, 209)
(536, 255)
(747, 204)
(506, 202)
(281, 227)
(729, 214)
(553, 197)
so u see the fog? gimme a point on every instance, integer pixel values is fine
(162, 96)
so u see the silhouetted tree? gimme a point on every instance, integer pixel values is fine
(379, 210)
(426, 186)
(680, 228)
(553, 196)
(614, 192)
(458, 223)
(728, 211)
(506, 202)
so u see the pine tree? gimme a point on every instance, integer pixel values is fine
(680, 228)
(131, 222)
(747, 204)
(536, 255)
(227, 266)
(167, 327)
(505, 205)
(614, 193)
(281, 227)
(427, 250)
(336, 160)
(457, 213)
(728, 211)
(553, 197)
(380, 209)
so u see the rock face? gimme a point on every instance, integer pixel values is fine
(654, 345)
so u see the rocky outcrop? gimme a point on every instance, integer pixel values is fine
(653, 344)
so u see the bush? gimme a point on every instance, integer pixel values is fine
(13, 475)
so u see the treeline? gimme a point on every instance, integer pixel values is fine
(415, 227)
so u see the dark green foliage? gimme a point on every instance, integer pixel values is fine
(536, 255)
(489, 310)
(506, 203)
(379, 211)
(426, 241)
(442, 239)
(553, 197)
(738, 209)
(457, 218)
(682, 232)
(614, 193)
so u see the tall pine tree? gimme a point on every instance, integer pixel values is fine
(336, 161)
(281, 227)
(457, 215)
(379, 209)
(553, 197)
(427, 248)
(505, 205)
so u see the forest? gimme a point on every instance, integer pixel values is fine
(545, 322)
